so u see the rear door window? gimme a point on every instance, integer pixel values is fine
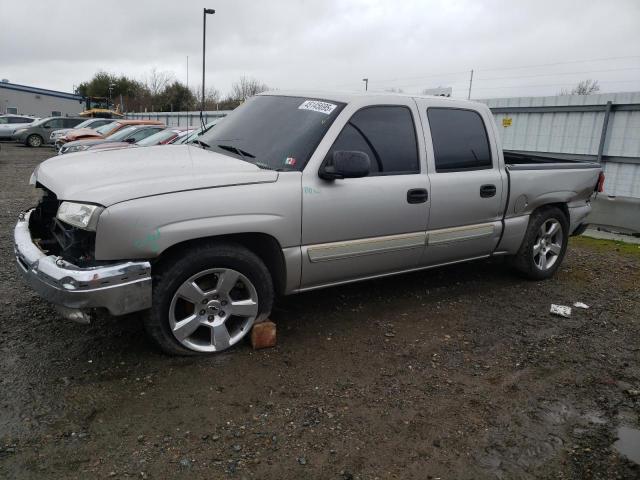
(387, 135)
(460, 140)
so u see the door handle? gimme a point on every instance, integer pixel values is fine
(417, 195)
(487, 191)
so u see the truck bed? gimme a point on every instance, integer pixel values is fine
(521, 161)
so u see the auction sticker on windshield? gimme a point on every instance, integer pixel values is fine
(317, 106)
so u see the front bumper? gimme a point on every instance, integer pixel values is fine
(120, 288)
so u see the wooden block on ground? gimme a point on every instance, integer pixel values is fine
(263, 335)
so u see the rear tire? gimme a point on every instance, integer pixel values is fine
(544, 244)
(207, 299)
(34, 140)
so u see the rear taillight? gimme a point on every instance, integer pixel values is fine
(600, 184)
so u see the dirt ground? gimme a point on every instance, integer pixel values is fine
(453, 373)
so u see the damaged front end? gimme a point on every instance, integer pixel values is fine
(58, 261)
(75, 245)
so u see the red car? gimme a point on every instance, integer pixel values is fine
(162, 137)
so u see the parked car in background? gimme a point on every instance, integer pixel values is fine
(9, 123)
(92, 123)
(37, 133)
(103, 132)
(195, 134)
(291, 193)
(122, 138)
(165, 137)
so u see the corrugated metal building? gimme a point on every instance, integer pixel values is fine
(39, 102)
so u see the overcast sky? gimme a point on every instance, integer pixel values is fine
(516, 47)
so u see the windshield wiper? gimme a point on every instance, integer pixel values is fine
(201, 143)
(242, 153)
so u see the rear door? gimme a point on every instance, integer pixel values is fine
(467, 185)
(358, 227)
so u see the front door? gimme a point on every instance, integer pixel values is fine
(359, 227)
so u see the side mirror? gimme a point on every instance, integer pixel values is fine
(130, 140)
(346, 164)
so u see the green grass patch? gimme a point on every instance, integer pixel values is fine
(604, 246)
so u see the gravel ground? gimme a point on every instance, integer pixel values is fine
(453, 373)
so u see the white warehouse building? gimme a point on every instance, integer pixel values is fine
(39, 102)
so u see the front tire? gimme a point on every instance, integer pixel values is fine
(34, 140)
(207, 299)
(544, 244)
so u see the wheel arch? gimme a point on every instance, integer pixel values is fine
(265, 246)
(562, 206)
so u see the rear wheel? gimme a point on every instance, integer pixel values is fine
(544, 245)
(208, 300)
(34, 140)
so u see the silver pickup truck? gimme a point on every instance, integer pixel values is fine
(292, 192)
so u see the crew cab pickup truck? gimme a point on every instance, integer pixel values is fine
(292, 192)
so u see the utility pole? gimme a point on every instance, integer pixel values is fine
(470, 83)
(205, 12)
(366, 84)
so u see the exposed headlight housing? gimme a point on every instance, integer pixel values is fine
(81, 215)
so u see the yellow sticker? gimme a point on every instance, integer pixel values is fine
(506, 121)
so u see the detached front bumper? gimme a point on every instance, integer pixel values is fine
(120, 288)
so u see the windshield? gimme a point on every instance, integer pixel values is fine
(124, 133)
(3, 120)
(86, 123)
(193, 135)
(274, 132)
(105, 130)
(40, 122)
(156, 138)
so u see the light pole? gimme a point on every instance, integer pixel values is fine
(205, 11)
(366, 84)
(111, 85)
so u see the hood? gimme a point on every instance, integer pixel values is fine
(86, 141)
(60, 132)
(81, 133)
(105, 145)
(112, 176)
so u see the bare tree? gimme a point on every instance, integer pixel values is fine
(584, 87)
(158, 81)
(212, 97)
(246, 87)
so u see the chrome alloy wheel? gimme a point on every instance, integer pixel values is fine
(548, 244)
(213, 310)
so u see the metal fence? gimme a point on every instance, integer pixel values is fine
(178, 119)
(603, 128)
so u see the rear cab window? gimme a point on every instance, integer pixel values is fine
(460, 140)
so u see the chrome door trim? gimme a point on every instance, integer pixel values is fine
(366, 246)
(458, 234)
